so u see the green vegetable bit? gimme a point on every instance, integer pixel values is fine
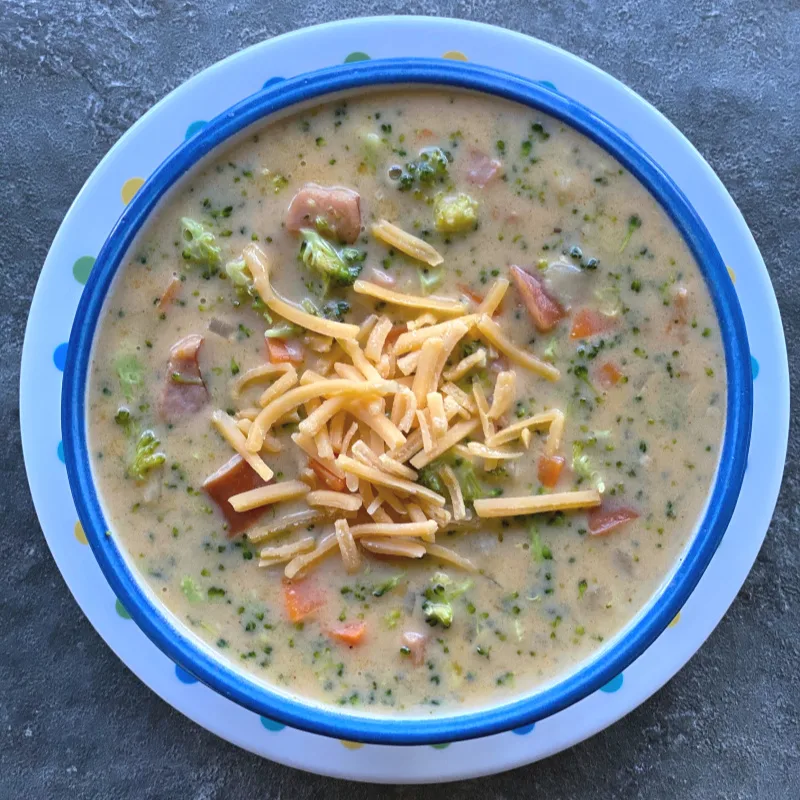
(430, 167)
(199, 244)
(455, 213)
(582, 466)
(391, 583)
(539, 551)
(439, 597)
(191, 590)
(340, 266)
(146, 458)
(430, 279)
(124, 420)
(634, 223)
(283, 330)
(131, 375)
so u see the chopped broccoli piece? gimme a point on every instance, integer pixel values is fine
(439, 596)
(436, 613)
(582, 466)
(199, 244)
(539, 551)
(341, 266)
(634, 223)
(455, 213)
(124, 420)
(471, 488)
(131, 374)
(581, 372)
(336, 310)
(428, 477)
(191, 590)
(430, 279)
(146, 458)
(391, 583)
(430, 167)
(551, 351)
(239, 273)
(284, 330)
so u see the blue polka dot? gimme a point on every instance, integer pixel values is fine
(754, 366)
(548, 85)
(60, 357)
(272, 81)
(614, 685)
(60, 452)
(195, 127)
(183, 676)
(271, 725)
(524, 730)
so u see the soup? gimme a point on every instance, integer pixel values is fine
(407, 402)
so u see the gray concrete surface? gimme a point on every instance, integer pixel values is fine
(73, 76)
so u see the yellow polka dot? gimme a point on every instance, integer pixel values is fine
(732, 274)
(129, 189)
(351, 745)
(79, 533)
(455, 55)
(676, 620)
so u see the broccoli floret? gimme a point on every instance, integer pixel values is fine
(199, 244)
(634, 223)
(391, 583)
(439, 597)
(336, 310)
(581, 372)
(456, 213)
(582, 466)
(539, 551)
(341, 266)
(239, 273)
(284, 330)
(428, 477)
(438, 613)
(471, 488)
(430, 167)
(124, 419)
(146, 458)
(131, 375)
(191, 590)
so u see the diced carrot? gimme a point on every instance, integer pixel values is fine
(603, 520)
(425, 133)
(415, 642)
(545, 311)
(550, 470)
(350, 634)
(330, 479)
(609, 374)
(170, 293)
(589, 322)
(302, 598)
(477, 298)
(283, 351)
(470, 293)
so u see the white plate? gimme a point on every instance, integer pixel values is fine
(97, 208)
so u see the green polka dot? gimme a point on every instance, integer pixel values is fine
(120, 609)
(441, 746)
(82, 267)
(357, 56)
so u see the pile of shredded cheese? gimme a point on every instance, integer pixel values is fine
(376, 409)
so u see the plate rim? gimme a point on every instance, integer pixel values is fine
(752, 256)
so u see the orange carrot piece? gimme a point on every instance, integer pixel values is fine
(589, 322)
(170, 293)
(609, 374)
(550, 470)
(301, 598)
(350, 634)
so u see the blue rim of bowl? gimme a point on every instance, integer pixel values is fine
(216, 671)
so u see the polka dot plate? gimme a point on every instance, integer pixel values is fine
(181, 115)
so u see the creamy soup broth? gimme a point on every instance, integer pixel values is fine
(613, 301)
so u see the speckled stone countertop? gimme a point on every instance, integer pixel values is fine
(73, 77)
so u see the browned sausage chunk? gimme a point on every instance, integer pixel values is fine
(337, 209)
(184, 389)
(234, 477)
